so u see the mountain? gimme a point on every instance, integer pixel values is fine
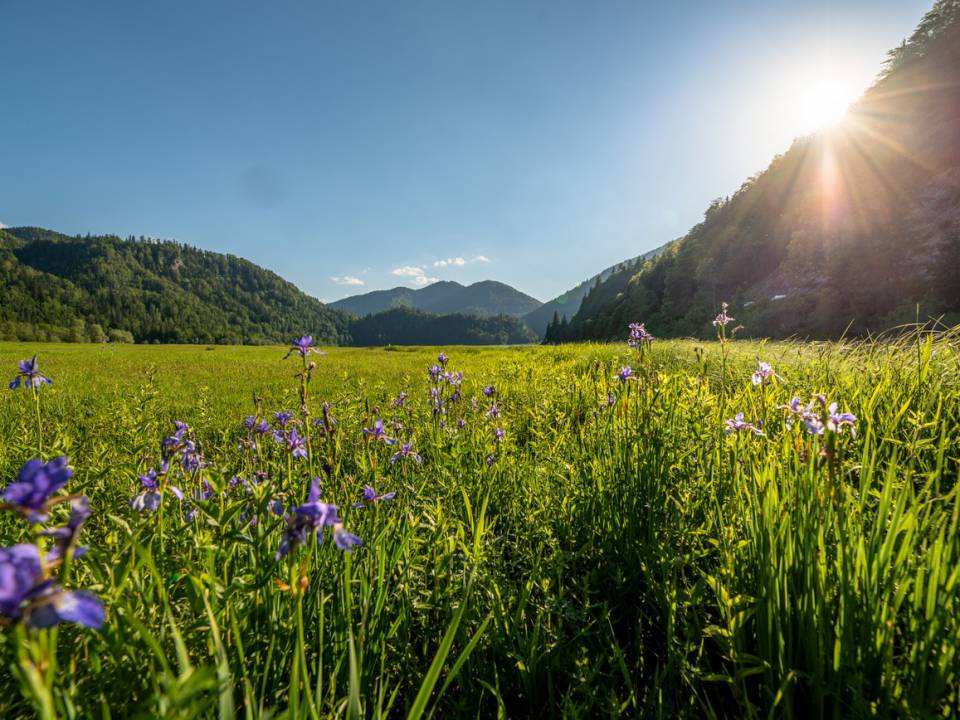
(567, 304)
(850, 230)
(405, 326)
(56, 287)
(485, 298)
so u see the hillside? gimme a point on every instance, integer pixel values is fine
(405, 326)
(567, 304)
(849, 230)
(56, 287)
(485, 298)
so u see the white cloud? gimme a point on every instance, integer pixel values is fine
(458, 261)
(347, 280)
(3, 225)
(481, 258)
(417, 274)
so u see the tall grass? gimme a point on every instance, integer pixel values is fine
(610, 560)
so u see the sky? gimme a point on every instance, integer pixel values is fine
(355, 146)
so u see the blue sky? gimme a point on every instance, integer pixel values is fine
(390, 143)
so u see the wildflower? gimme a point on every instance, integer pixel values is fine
(175, 441)
(276, 506)
(405, 451)
(343, 539)
(764, 374)
(498, 434)
(837, 421)
(153, 488)
(282, 419)
(494, 412)
(461, 424)
(435, 373)
(401, 400)
(489, 391)
(816, 422)
(737, 424)
(65, 537)
(41, 603)
(250, 422)
(378, 433)
(625, 374)
(611, 398)
(306, 519)
(370, 497)
(29, 375)
(443, 359)
(722, 319)
(295, 444)
(454, 378)
(638, 335)
(303, 346)
(30, 493)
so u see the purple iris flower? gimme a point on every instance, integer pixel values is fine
(29, 375)
(455, 378)
(307, 519)
(343, 539)
(461, 423)
(494, 412)
(295, 444)
(764, 374)
(283, 419)
(378, 433)
(401, 400)
(36, 482)
(498, 434)
(276, 506)
(638, 335)
(24, 593)
(303, 346)
(722, 319)
(65, 537)
(176, 440)
(489, 391)
(405, 451)
(738, 423)
(442, 359)
(370, 497)
(152, 494)
(837, 421)
(625, 373)
(435, 373)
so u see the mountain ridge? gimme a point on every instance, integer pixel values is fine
(483, 298)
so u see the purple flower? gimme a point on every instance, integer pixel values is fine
(816, 422)
(250, 422)
(498, 435)
(405, 451)
(378, 433)
(41, 603)
(175, 441)
(722, 319)
(638, 335)
(435, 373)
(625, 374)
(343, 539)
(370, 497)
(737, 424)
(149, 500)
(295, 444)
(764, 374)
(611, 398)
(307, 519)
(401, 399)
(282, 419)
(442, 359)
(65, 537)
(303, 346)
(489, 391)
(29, 375)
(494, 412)
(36, 482)
(837, 421)
(461, 424)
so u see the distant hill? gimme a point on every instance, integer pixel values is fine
(485, 298)
(848, 231)
(405, 326)
(567, 304)
(57, 287)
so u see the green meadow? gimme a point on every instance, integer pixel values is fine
(619, 549)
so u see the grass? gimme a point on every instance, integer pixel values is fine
(623, 560)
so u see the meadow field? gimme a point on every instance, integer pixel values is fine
(588, 530)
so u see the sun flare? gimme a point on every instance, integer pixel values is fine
(817, 97)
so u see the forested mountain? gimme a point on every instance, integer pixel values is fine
(485, 298)
(567, 304)
(56, 287)
(405, 326)
(849, 230)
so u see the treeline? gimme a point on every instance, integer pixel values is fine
(848, 232)
(403, 326)
(56, 287)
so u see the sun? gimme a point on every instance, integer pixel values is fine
(822, 104)
(814, 97)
